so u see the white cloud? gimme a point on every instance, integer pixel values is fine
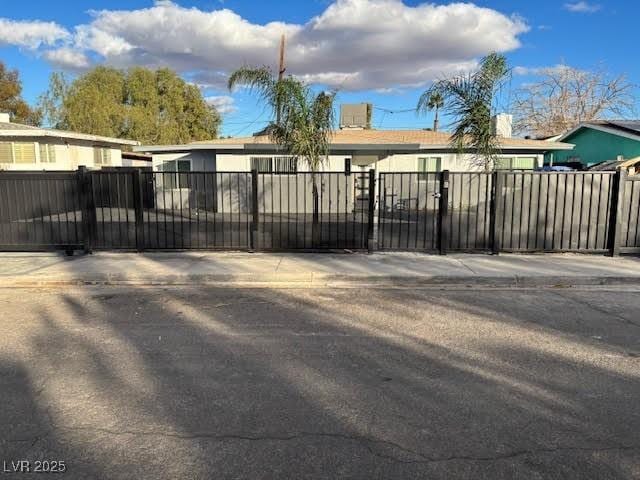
(30, 34)
(582, 7)
(352, 45)
(67, 58)
(223, 103)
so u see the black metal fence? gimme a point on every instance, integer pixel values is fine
(143, 210)
(40, 211)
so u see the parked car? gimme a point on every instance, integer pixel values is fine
(556, 168)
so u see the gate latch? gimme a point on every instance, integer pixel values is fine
(437, 195)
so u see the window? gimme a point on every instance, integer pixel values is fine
(276, 165)
(285, 165)
(261, 164)
(6, 152)
(515, 163)
(428, 165)
(178, 169)
(17, 152)
(101, 156)
(47, 153)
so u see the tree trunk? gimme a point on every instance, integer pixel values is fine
(436, 122)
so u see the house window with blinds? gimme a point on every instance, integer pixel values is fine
(47, 153)
(427, 165)
(275, 165)
(6, 152)
(101, 156)
(17, 152)
(515, 163)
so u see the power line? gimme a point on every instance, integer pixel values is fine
(387, 110)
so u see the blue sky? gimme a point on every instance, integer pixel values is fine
(382, 51)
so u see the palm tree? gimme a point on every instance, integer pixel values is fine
(469, 99)
(431, 101)
(303, 119)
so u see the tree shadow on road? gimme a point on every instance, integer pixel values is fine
(262, 383)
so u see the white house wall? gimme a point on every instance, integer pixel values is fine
(205, 160)
(69, 155)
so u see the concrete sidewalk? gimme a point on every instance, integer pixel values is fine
(269, 269)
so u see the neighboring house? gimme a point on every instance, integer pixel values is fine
(351, 149)
(599, 141)
(23, 147)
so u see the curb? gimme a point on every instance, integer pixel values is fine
(323, 280)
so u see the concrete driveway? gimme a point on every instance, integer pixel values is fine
(185, 382)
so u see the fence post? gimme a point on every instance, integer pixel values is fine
(138, 208)
(495, 228)
(443, 213)
(372, 206)
(254, 209)
(83, 197)
(616, 212)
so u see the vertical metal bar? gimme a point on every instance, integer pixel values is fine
(346, 210)
(214, 191)
(304, 220)
(279, 207)
(136, 180)
(513, 208)
(409, 211)
(254, 208)
(417, 229)
(495, 227)
(617, 208)
(239, 210)
(371, 210)
(34, 208)
(443, 213)
(58, 209)
(297, 207)
(194, 193)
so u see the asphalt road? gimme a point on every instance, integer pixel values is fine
(305, 383)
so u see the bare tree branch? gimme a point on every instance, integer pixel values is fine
(566, 96)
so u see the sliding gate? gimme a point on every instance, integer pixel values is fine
(147, 210)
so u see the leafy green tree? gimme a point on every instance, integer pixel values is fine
(303, 120)
(469, 99)
(152, 106)
(11, 101)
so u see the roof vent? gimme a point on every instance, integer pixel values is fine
(356, 116)
(4, 117)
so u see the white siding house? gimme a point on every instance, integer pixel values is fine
(23, 147)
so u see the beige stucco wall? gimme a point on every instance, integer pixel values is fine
(204, 160)
(70, 154)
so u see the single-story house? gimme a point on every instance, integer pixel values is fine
(24, 147)
(598, 141)
(350, 149)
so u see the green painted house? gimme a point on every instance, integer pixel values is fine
(598, 141)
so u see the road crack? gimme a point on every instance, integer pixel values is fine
(366, 442)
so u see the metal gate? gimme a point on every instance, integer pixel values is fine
(312, 211)
(40, 211)
(230, 210)
(409, 211)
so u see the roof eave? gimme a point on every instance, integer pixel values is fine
(69, 135)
